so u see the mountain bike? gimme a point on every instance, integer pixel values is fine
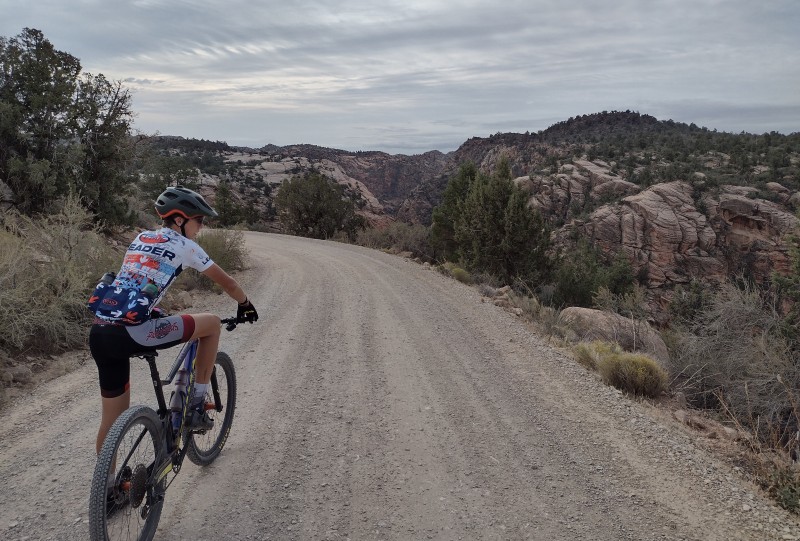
(145, 449)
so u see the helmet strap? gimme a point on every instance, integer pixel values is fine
(182, 226)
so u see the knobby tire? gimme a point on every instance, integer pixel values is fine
(109, 521)
(204, 448)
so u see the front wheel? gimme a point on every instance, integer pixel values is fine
(125, 500)
(220, 402)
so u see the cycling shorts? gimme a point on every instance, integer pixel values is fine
(112, 346)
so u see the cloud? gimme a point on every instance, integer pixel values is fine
(405, 74)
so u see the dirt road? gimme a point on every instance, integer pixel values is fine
(381, 400)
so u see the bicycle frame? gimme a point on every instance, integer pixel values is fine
(176, 452)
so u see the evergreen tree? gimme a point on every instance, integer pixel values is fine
(60, 132)
(314, 206)
(448, 213)
(485, 222)
(526, 241)
(229, 211)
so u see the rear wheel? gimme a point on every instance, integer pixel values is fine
(125, 502)
(220, 400)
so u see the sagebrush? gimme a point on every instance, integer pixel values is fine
(398, 237)
(735, 357)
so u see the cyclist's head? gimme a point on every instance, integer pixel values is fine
(179, 201)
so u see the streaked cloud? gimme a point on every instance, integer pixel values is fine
(414, 76)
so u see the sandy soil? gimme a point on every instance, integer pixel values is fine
(381, 400)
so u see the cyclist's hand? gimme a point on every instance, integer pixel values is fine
(246, 312)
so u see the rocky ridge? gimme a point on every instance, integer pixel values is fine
(598, 176)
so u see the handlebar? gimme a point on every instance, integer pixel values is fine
(229, 322)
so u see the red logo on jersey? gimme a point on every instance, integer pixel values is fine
(153, 239)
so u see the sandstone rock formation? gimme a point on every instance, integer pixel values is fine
(669, 241)
(661, 232)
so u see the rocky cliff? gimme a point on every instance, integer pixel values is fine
(681, 202)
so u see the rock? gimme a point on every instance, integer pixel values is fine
(776, 187)
(668, 240)
(21, 374)
(662, 234)
(631, 335)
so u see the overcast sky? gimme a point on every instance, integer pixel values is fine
(418, 75)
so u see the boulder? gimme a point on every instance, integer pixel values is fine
(631, 335)
(21, 374)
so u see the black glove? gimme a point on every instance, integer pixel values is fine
(246, 312)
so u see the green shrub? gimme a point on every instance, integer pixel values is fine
(633, 373)
(461, 275)
(589, 354)
(48, 267)
(783, 484)
(582, 272)
(226, 248)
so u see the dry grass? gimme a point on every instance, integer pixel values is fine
(48, 267)
(398, 237)
(226, 248)
(589, 354)
(633, 373)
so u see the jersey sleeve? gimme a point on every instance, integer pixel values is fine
(197, 258)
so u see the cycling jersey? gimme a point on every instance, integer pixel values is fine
(153, 260)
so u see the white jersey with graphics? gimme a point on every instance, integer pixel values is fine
(157, 258)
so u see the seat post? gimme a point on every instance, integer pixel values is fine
(157, 387)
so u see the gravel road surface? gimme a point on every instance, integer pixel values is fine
(380, 400)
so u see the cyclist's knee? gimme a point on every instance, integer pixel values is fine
(206, 325)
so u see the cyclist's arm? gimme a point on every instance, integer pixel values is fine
(226, 282)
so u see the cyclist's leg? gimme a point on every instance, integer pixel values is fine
(112, 408)
(108, 348)
(166, 332)
(207, 331)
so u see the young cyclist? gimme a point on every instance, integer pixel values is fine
(124, 323)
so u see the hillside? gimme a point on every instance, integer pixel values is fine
(680, 201)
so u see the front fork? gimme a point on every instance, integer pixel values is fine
(215, 390)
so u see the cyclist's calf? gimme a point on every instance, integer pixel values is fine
(207, 330)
